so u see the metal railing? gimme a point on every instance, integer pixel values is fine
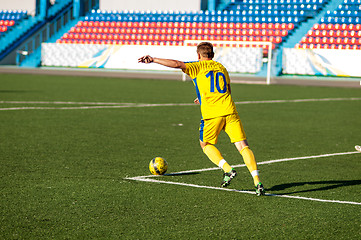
(46, 32)
(32, 45)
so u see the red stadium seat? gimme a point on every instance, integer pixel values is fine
(7, 22)
(173, 33)
(277, 26)
(290, 26)
(3, 28)
(213, 25)
(93, 37)
(323, 26)
(101, 24)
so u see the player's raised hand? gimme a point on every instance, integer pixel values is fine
(146, 59)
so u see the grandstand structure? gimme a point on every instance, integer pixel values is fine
(278, 22)
(260, 21)
(338, 29)
(10, 18)
(31, 28)
(173, 33)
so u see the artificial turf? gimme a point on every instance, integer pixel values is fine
(63, 171)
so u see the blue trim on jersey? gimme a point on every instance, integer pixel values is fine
(197, 91)
(201, 130)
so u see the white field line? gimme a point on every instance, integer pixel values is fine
(60, 108)
(242, 191)
(103, 105)
(149, 178)
(60, 102)
(301, 100)
(258, 163)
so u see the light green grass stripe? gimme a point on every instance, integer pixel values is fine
(102, 105)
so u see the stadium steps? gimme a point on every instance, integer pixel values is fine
(307, 25)
(34, 59)
(25, 30)
(297, 34)
(66, 7)
(56, 11)
(223, 4)
(18, 34)
(58, 7)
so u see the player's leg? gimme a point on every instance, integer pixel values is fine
(209, 131)
(215, 156)
(235, 131)
(249, 159)
(208, 136)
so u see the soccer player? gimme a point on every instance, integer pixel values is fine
(218, 110)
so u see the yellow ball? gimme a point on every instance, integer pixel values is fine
(158, 166)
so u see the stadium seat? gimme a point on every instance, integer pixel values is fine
(260, 20)
(339, 29)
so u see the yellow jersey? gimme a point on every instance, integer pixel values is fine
(212, 84)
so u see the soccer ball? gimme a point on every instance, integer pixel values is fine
(158, 166)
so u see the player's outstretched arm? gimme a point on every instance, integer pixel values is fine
(162, 61)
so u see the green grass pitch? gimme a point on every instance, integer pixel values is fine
(63, 171)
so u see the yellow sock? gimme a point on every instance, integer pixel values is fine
(251, 163)
(215, 156)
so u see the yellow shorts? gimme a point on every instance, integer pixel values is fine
(231, 124)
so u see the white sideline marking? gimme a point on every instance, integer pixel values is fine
(61, 108)
(258, 163)
(300, 100)
(103, 105)
(60, 102)
(242, 191)
(149, 178)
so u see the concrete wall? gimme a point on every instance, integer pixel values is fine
(143, 5)
(28, 5)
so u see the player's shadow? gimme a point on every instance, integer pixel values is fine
(314, 186)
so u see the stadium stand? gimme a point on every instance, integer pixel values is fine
(8, 19)
(338, 29)
(172, 33)
(281, 22)
(258, 20)
(170, 29)
(21, 43)
(58, 7)
(14, 15)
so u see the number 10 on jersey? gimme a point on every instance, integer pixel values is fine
(215, 78)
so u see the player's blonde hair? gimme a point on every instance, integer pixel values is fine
(205, 49)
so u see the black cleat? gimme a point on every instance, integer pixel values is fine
(260, 189)
(227, 177)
